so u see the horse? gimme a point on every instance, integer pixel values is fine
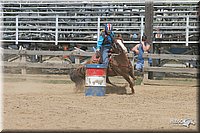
(119, 65)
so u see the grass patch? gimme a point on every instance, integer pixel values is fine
(138, 80)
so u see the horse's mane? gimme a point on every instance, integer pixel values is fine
(118, 46)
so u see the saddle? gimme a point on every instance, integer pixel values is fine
(96, 58)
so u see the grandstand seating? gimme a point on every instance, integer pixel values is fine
(76, 21)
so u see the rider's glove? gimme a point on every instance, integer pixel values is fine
(98, 54)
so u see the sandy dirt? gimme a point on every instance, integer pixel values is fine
(54, 106)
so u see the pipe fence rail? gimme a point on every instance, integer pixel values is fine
(71, 22)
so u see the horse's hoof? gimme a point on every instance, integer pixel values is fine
(132, 93)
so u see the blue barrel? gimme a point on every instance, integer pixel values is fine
(95, 80)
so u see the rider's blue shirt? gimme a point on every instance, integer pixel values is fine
(105, 40)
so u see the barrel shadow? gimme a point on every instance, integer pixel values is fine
(115, 89)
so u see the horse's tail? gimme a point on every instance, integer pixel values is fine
(78, 74)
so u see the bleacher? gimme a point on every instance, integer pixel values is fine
(48, 22)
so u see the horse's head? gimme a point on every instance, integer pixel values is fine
(118, 46)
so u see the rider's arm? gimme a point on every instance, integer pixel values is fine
(135, 49)
(100, 42)
(112, 34)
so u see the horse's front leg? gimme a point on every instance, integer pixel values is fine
(126, 77)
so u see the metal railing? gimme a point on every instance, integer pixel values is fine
(54, 22)
(58, 31)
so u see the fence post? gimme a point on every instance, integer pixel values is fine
(77, 60)
(77, 57)
(98, 29)
(16, 35)
(23, 61)
(56, 35)
(187, 30)
(149, 7)
(142, 27)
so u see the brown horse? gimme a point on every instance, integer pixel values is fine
(119, 65)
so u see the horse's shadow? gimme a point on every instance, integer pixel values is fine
(115, 89)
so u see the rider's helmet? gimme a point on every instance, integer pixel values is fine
(108, 28)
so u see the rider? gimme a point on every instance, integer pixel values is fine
(104, 43)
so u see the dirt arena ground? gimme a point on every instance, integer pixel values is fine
(45, 105)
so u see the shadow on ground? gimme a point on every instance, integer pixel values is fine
(116, 89)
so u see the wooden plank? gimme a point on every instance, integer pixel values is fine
(172, 69)
(14, 58)
(55, 53)
(174, 42)
(171, 56)
(9, 51)
(40, 65)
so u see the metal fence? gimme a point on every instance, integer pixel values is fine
(73, 22)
